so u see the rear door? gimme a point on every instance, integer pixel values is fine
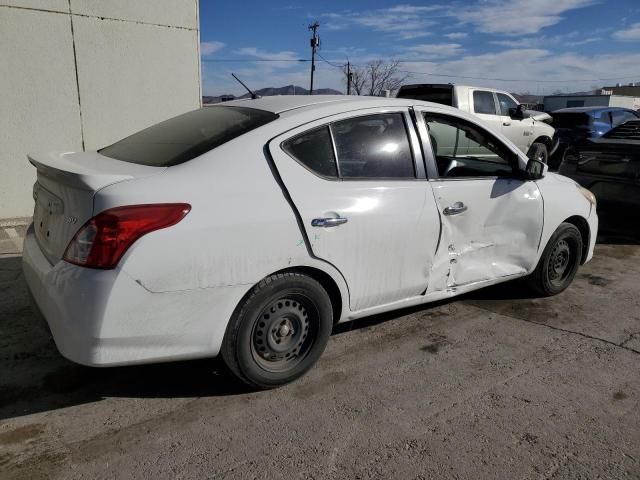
(359, 186)
(492, 220)
(483, 105)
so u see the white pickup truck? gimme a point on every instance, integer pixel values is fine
(527, 129)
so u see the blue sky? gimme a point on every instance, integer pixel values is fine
(538, 46)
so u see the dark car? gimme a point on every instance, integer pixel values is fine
(609, 166)
(576, 124)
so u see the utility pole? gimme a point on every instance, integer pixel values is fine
(315, 43)
(348, 78)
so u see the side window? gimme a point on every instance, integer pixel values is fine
(373, 146)
(620, 116)
(463, 149)
(506, 102)
(314, 150)
(483, 102)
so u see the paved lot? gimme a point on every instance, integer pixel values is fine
(490, 386)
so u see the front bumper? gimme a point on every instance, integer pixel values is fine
(593, 222)
(105, 317)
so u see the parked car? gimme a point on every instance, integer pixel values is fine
(573, 125)
(529, 130)
(250, 228)
(609, 166)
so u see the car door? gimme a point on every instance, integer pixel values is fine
(365, 206)
(492, 218)
(518, 130)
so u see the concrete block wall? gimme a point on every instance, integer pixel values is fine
(81, 74)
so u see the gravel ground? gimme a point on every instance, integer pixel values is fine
(494, 385)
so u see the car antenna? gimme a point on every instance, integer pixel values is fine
(253, 95)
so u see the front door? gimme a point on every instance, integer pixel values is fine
(356, 183)
(518, 130)
(492, 219)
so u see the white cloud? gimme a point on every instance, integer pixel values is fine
(402, 21)
(518, 17)
(435, 50)
(208, 48)
(540, 70)
(456, 35)
(631, 34)
(566, 40)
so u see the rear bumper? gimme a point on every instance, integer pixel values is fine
(105, 317)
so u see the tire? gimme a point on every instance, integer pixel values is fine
(559, 261)
(278, 331)
(539, 151)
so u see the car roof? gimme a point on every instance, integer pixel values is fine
(283, 103)
(590, 109)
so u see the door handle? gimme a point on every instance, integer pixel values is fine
(328, 222)
(506, 124)
(455, 209)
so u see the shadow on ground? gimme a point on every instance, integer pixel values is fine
(34, 377)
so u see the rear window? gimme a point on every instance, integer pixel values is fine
(442, 94)
(187, 136)
(570, 120)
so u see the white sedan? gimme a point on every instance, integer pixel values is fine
(249, 229)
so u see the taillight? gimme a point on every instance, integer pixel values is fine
(103, 240)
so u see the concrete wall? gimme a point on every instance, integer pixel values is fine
(625, 102)
(80, 74)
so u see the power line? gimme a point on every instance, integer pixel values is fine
(252, 60)
(445, 75)
(330, 63)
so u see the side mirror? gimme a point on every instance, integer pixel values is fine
(536, 169)
(518, 112)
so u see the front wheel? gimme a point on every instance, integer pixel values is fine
(279, 331)
(539, 151)
(559, 262)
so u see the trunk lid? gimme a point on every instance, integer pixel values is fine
(64, 192)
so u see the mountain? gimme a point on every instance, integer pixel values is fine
(270, 91)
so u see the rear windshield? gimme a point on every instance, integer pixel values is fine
(570, 119)
(187, 136)
(442, 94)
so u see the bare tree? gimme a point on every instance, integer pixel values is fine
(376, 77)
(384, 76)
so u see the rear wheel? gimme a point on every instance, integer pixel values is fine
(279, 331)
(539, 151)
(559, 262)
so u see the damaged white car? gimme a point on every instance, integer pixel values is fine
(251, 228)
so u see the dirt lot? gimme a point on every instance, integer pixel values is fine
(493, 385)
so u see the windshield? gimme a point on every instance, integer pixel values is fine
(187, 136)
(570, 119)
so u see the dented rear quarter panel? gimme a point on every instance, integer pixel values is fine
(240, 228)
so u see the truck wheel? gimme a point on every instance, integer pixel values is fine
(279, 330)
(538, 151)
(559, 262)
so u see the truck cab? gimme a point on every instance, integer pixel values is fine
(527, 129)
